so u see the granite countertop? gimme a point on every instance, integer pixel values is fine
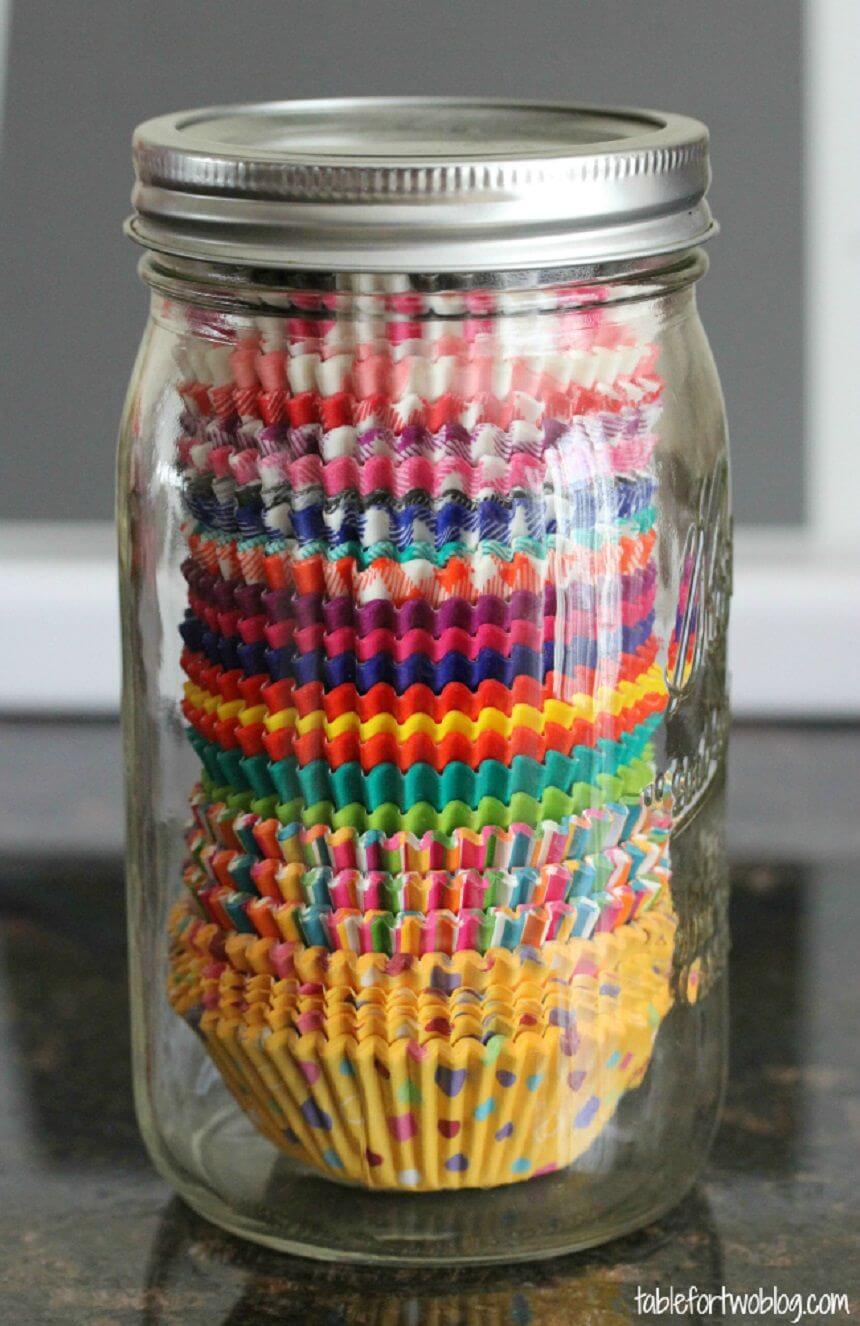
(89, 1234)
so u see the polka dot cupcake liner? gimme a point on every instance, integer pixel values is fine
(446, 1113)
(197, 944)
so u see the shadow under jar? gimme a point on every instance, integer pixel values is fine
(425, 553)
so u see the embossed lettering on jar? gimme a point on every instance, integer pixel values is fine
(426, 561)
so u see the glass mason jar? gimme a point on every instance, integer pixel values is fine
(425, 557)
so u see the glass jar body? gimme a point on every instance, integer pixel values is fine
(424, 610)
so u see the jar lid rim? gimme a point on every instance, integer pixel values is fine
(402, 184)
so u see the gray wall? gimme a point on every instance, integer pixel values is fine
(82, 73)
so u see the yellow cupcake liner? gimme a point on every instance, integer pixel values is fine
(389, 1015)
(554, 961)
(371, 1096)
(401, 1116)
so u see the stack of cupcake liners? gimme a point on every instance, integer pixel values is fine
(492, 1070)
(427, 928)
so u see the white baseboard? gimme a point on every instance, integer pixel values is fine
(795, 634)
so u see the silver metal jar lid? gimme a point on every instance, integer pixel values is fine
(420, 184)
